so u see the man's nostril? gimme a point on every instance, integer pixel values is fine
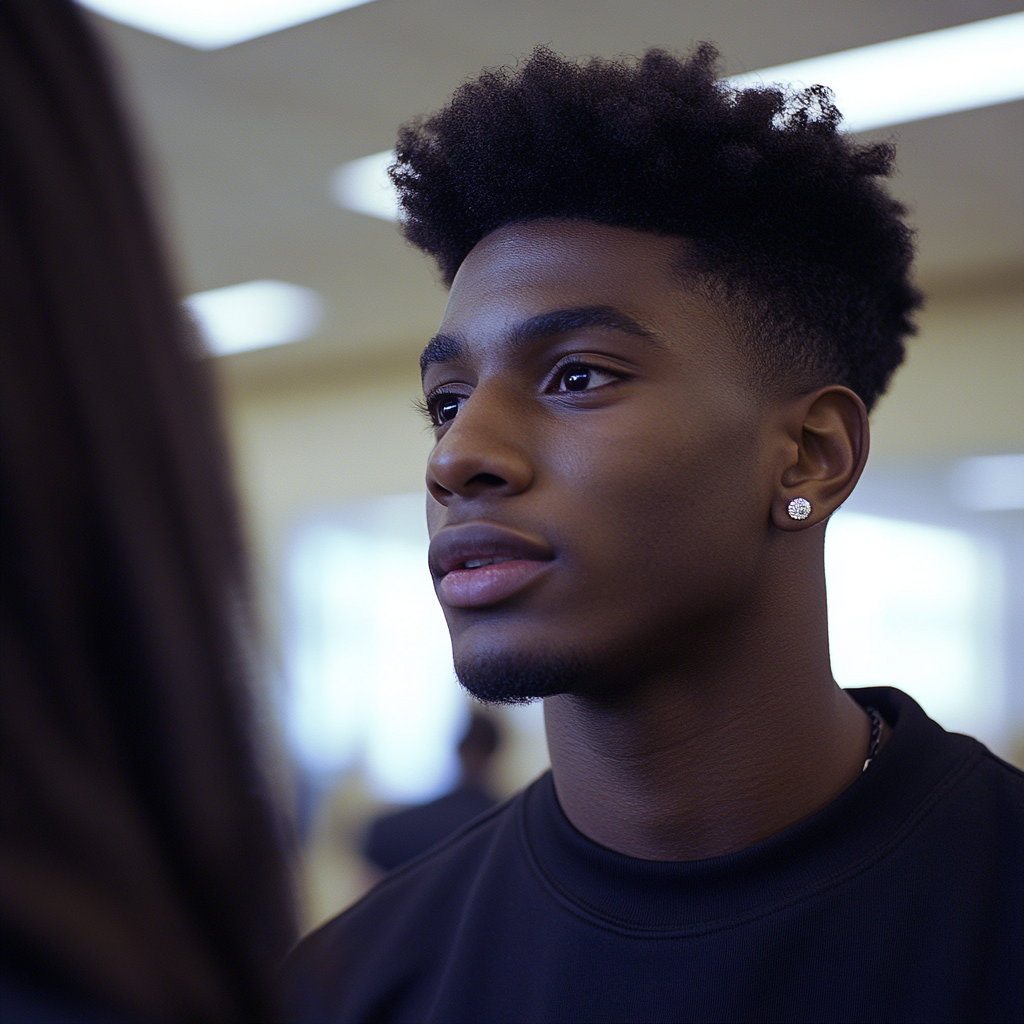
(488, 480)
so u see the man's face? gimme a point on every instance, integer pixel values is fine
(598, 488)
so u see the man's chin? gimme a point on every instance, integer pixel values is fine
(521, 678)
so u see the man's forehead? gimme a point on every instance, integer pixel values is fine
(565, 254)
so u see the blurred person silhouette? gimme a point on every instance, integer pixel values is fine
(396, 838)
(143, 874)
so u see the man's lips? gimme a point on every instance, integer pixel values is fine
(479, 564)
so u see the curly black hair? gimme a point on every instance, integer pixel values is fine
(784, 217)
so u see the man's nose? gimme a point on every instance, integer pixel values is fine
(483, 451)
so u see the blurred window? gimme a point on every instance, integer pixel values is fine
(916, 607)
(370, 678)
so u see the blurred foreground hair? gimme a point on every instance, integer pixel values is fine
(784, 217)
(140, 861)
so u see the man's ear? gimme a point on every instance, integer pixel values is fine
(827, 437)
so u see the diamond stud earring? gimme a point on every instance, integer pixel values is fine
(799, 508)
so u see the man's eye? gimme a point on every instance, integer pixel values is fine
(583, 378)
(444, 409)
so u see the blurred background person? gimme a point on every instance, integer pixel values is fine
(396, 838)
(142, 868)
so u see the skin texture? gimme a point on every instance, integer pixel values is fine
(709, 719)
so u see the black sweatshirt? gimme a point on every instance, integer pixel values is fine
(902, 900)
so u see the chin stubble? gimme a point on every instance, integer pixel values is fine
(521, 679)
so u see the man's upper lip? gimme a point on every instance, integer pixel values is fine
(452, 546)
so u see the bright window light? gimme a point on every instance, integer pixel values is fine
(363, 185)
(989, 483)
(916, 607)
(370, 678)
(211, 24)
(256, 314)
(959, 68)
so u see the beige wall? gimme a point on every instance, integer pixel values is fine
(961, 391)
(350, 431)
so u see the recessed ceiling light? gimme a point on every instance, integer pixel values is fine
(211, 24)
(975, 65)
(256, 314)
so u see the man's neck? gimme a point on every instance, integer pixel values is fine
(717, 755)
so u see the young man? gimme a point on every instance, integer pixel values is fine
(672, 307)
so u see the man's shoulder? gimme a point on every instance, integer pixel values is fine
(1002, 772)
(996, 782)
(944, 768)
(973, 810)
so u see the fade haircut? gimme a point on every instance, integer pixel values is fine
(785, 219)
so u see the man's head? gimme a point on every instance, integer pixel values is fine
(670, 308)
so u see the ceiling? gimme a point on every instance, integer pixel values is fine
(242, 141)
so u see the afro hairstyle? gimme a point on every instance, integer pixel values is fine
(785, 219)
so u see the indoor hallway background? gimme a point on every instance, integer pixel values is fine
(244, 144)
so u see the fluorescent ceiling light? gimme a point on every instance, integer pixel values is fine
(211, 24)
(363, 185)
(256, 314)
(989, 483)
(959, 68)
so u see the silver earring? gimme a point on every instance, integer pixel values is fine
(799, 508)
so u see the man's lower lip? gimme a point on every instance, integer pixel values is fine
(489, 584)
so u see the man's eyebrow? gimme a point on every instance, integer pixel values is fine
(440, 349)
(443, 348)
(561, 321)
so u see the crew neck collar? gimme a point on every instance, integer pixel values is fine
(918, 764)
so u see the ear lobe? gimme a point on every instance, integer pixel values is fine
(831, 434)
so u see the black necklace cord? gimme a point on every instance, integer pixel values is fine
(876, 736)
